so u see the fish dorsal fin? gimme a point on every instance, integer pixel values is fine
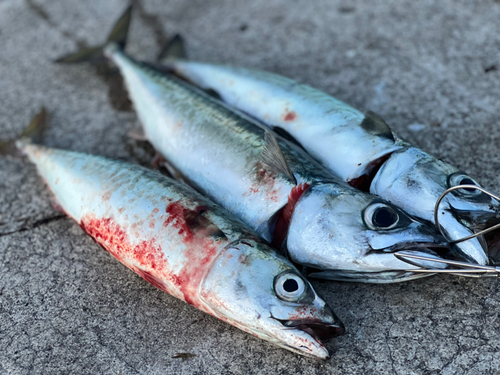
(173, 49)
(159, 161)
(273, 157)
(374, 124)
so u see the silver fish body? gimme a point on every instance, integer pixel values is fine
(185, 245)
(220, 153)
(354, 145)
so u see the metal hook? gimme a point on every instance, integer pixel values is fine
(447, 191)
(467, 269)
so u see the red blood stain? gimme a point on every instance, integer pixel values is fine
(152, 223)
(147, 254)
(303, 312)
(114, 239)
(200, 237)
(364, 181)
(265, 180)
(254, 189)
(289, 116)
(107, 195)
(156, 210)
(285, 216)
(153, 280)
(242, 259)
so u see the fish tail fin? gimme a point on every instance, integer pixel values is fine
(173, 50)
(117, 39)
(33, 133)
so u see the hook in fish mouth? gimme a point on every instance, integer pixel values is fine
(479, 233)
(425, 247)
(464, 269)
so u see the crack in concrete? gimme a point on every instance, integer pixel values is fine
(41, 13)
(36, 224)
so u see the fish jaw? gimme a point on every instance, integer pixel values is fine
(473, 250)
(328, 232)
(238, 290)
(414, 180)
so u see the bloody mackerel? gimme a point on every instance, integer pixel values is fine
(185, 245)
(270, 184)
(359, 148)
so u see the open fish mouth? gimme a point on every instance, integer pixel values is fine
(432, 248)
(315, 328)
(307, 334)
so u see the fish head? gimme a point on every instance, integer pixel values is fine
(414, 180)
(338, 231)
(263, 294)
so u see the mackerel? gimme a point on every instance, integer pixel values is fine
(359, 148)
(274, 187)
(185, 245)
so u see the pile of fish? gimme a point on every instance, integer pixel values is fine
(286, 176)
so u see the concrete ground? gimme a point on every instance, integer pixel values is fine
(430, 68)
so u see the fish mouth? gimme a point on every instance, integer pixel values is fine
(316, 328)
(439, 251)
(426, 247)
(432, 248)
(307, 335)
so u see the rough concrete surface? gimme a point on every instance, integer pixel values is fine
(430, 68)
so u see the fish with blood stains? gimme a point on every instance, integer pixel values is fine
(359, 148)
(195, 251)
(273, 186)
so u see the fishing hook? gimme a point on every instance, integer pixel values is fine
(447, 191)
(467, 269)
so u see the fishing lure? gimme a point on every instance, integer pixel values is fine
(274, 187)
(185, 245)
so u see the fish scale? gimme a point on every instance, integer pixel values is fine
(359, 148)
(185, 245)
(274, 187)
(221, 153)
(179, 123)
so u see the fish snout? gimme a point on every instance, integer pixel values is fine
(473, 250)
(316, 319)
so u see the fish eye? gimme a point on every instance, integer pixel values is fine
(460, 178)
(289, 286)
(380, 216)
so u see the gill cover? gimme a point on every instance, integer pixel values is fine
(267, 297)
(356, 233)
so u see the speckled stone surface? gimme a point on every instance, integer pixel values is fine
(430, 68)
